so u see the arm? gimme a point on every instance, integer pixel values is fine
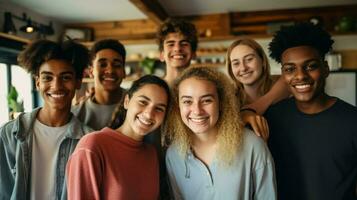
(256, 122)
(174, 189)
(278, 92)
(83, 175)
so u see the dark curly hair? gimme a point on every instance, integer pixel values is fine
(177, 26)
(301, 34)
(42, 51)
(112, 44)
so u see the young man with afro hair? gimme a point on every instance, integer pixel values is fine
(313, 138)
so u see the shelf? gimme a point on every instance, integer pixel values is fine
(14, 38)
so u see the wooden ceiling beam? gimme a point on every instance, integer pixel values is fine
(152, 9)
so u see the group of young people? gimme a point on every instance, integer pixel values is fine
(303, 144)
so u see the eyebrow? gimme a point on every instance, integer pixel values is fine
(105, 59)
(148, 99)
(173, 41)
(250, 54)
(305, 62)
(203, 96)
(62, 73)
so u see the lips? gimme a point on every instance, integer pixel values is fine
(303, 87)
(56, 95)
(246, 74)
(144, 121)
(178, 56)
(198, 120)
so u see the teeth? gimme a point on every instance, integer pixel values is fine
(178, 57)
(302, 86)
(109, 79)
(57, 95)
(145, 121)
(245, 74)
(198, 120)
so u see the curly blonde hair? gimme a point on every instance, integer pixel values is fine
(266, 80)
(229, 125)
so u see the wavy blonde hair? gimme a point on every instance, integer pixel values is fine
(265, 80)
(229, 125)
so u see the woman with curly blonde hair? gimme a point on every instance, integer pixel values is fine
(212, 156)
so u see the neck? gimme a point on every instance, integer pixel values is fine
(316, 105)
(108, 98)
(126, 130)
(252, 91)
(172, 73)
(54, 118)
(205, 147)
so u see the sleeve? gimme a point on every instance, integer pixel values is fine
(174, 189)
(84, 174)
(6, 170)
(264, 177)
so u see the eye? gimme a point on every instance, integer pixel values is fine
(186, 102)
(311, 67)
(118, 64)
(249, 59)
(102, 64)
(207, 101)
(235, 64)
(288, 69)
(67, 77)
(143, 102)
(46, 78)
(185, 43)
(160, 109)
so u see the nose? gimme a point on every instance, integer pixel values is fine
(109, 68)
(57, 83)
(149, 112)
(300, 74)
(177, 47)
(196, 108)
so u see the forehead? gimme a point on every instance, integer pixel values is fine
(56, 67)
(159, 96)
(299, 54)
(108, 54)
(242, 50)
(196, 87)
(174, 37)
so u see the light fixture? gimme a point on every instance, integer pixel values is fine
(30, 26)
(9, 26)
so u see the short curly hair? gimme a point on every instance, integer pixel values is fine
(301, 34)
(42, 51)
(172, 25)
(112, 44)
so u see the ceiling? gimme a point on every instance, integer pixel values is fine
(78, 11)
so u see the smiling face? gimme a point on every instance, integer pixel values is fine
(199, 105)
(177, 51)
(107, 70)
(246, 65)
(57, 83)
(145, 111)
(305, 73)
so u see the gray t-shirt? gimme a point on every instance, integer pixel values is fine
(251, 176)
(96, 116)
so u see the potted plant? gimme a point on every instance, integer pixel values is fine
(15, 106)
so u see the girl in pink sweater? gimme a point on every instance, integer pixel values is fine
(114, 163)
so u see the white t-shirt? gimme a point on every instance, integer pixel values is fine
(45, 147)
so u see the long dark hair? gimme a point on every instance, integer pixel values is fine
(119, 113)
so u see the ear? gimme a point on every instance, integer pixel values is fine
(91, 72)
(37, 82)
(194, 55)
(78, 84)
(162, 56)
(326, 69)
(126, 101)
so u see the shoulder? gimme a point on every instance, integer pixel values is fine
(172, 153)
(96, 139)
(78, 106)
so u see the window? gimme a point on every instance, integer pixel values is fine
(22, 81)
(3, 94)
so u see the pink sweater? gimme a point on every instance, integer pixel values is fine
(110, 165)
